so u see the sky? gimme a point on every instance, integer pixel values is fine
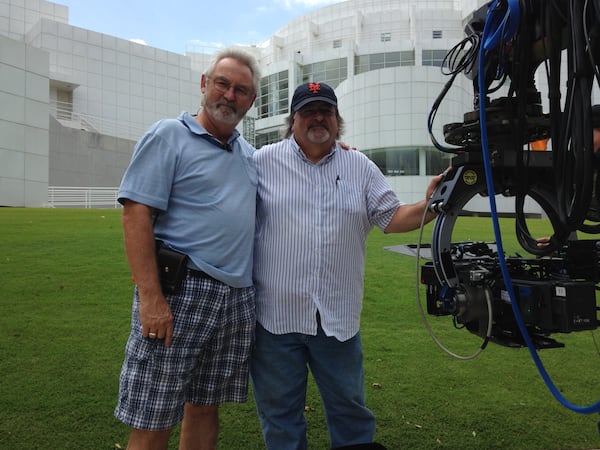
(179, 26)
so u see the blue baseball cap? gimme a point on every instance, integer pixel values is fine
(312, 92)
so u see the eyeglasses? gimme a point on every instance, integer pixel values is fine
(306, 113)
(222, 85)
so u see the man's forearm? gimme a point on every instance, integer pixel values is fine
(140, 246)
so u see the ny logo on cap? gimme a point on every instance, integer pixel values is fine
(314, 87)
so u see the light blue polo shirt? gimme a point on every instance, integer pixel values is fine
(206, 195)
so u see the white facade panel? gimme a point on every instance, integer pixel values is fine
(13, 164)
(13, 80)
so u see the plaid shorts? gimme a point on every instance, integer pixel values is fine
(206, 364)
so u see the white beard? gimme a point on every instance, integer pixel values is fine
(318, 137)
(223, 113)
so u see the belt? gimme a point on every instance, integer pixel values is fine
(199, 274)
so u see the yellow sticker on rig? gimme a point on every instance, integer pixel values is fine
(470, 177)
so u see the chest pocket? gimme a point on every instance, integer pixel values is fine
(348, 198)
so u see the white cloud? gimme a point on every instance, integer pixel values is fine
(138, 41)
(308, 3)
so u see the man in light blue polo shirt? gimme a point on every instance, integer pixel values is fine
(191, 184)
(316, 205)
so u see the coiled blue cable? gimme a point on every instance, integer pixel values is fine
(497, 30)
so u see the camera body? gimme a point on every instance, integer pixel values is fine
(554, 294)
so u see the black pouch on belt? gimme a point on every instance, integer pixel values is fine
(172, 267)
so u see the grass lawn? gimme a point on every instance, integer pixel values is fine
(66, 299)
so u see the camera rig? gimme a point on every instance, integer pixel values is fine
(522, 301)
(555, 293)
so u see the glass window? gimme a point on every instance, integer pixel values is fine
(248, 130)
(391, 58)
(274, 95)
(377, 61)
(267, 138)
(332, 72)
(407, 58)
(401, 161)
(395, 161)
(436, 161)
(365, 63)
(361, 63)
(433, 57)
(332, 64)
(319, 67)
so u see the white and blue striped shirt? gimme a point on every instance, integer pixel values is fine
(311, 227)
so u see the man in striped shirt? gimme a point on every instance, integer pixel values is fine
(315, 207)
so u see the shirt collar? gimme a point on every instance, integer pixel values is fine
(192, 124)
(301, 154)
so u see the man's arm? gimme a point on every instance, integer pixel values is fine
(155, 313)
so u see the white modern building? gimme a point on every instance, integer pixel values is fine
(383, 58)
(74, 101)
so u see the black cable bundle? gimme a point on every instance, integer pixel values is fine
(573, 157)
(461, 58)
